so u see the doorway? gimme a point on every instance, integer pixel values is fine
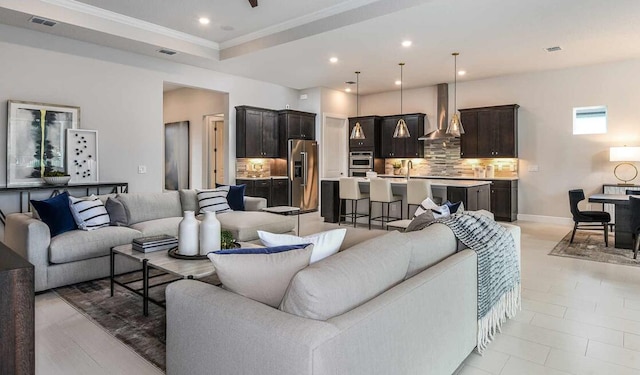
(334, 146)
(215, 165)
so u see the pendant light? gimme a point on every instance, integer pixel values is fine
(357, 132)
(455, 128)
(401, 127)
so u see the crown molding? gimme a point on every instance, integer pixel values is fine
(132, 22)
(295, 22)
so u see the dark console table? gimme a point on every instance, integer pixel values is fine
(17, 349)
(113, 188)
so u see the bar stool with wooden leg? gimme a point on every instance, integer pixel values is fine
(380, 192)
(417, 191)
(350, 191)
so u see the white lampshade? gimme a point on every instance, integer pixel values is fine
(624, 153)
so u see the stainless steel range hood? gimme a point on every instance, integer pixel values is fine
(442, 105)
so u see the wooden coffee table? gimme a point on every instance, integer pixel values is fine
(161, 261)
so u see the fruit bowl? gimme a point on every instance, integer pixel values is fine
(57, 180)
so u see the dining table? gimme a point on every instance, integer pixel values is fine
(622, 228)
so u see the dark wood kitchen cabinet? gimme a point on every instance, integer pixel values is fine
(295, 125)
(504, 200)
(274, 190)
(256, 133)
(280, 192)
(402, 147)
(490, 132)
(371, 129)
(474, 198)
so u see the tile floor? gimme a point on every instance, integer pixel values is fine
(578, 317)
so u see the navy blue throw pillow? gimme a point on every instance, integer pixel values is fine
(235, 198)
(55, 212)
(262, 250)
(453, 207)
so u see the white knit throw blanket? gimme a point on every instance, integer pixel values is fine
(498, 270)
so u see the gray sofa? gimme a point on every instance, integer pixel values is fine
(401, 303)
(78, 255)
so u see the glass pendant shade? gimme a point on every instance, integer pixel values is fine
(455, 126)
(357, 132)
(401, 130)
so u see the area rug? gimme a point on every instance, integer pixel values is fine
(589, 245)
(121, 315)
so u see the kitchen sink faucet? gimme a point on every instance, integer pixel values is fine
(409, 166)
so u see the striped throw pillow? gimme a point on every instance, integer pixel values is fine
(89, 213)
(213, 200)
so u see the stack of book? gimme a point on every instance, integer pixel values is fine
(154, 243)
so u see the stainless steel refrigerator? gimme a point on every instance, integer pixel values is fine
(303, 174)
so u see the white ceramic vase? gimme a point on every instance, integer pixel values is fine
(188, 234)
(209, 233)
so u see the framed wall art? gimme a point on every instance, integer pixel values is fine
(176, 155)
(82, 155)
(36, 140)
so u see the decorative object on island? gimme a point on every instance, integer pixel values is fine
(625, 171)
(188, 234)
(176, 155)
(210, 239)
(35, 140)
(56, 178)
(82, 155)
(455, 128)
(357, 132)
(401, 127)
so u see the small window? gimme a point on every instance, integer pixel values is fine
(590, 120)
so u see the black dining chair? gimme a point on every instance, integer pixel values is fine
(634, 204)
(632, 192)
(590, 217)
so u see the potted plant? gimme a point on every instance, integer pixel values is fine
(227, 241)
(396, 167)
(56, 178)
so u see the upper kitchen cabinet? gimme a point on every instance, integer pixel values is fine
(371, 129)
(295, 125)
(256, 133)
(402, 147)
(490, 132)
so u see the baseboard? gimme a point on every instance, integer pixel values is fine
(546, 219)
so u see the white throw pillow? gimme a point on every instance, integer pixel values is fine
(324, 243)
(428, 204)
(89, 213)
(213, 200)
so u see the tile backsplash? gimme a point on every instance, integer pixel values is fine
(260, 167)
(442, 158)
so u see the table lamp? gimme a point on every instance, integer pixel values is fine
(625, 155)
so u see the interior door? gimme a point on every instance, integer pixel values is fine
(334, 147)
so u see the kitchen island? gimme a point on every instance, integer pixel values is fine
(474, 194)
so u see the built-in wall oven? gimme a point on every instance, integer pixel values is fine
(361, 160)
(359, 172)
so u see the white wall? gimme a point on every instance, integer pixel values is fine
(192, 105)
(120, 95)
(546, 101)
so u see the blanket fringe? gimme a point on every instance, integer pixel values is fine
(506, 308)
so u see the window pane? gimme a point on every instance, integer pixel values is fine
(590, 120)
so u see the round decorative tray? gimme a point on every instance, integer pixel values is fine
(173, 252)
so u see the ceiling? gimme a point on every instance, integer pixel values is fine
(289, 42)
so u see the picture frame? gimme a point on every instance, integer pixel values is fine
(82, 155)
(176, 155)
(36, 140)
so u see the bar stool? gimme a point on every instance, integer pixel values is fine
(380, 192)
(417, 191)
(350, 191)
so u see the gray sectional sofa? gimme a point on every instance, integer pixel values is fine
(401, 303)
(79, 255)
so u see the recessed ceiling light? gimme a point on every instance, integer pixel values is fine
(462, 72)
(204, 21)
(398, 82)
(333, 60)
(553, 49)
(347, 89)
(407, 43)
(227, 28)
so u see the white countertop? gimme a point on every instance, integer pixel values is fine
(450, 177)
(263, 178)
(438, 182)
